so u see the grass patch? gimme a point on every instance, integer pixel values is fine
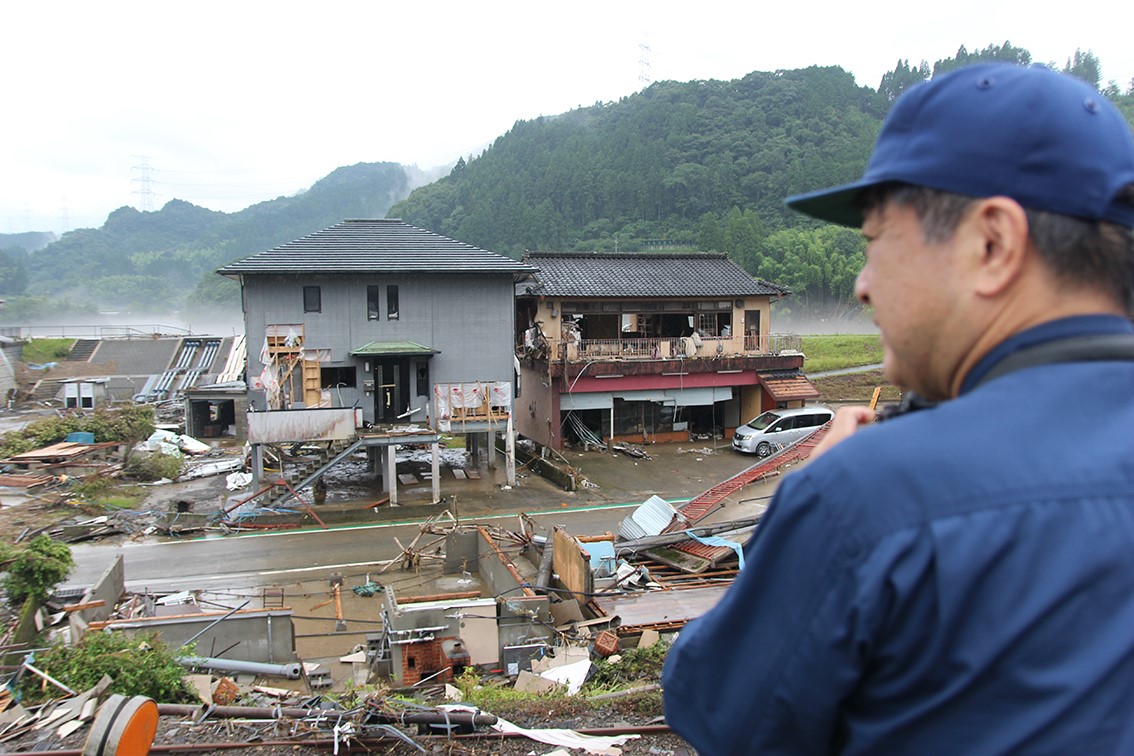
(841, 351)
(856, 387)
(633, 668)
(124, 498)
(38, 351)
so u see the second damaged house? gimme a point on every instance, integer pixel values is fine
(375, 333)
(649, 347)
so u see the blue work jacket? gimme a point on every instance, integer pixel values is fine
(958, 580)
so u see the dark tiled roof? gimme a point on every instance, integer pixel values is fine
(641, 275)
(367, 246)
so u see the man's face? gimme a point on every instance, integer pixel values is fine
(913, 288)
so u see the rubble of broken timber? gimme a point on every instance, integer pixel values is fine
(543, 614)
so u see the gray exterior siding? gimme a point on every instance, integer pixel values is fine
(467, 318)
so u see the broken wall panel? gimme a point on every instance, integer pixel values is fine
(499, 571)
(254, 635)
(107, 590)
(282, 426)
(660, 610)
(572, 563)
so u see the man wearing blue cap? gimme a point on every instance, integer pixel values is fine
(960, 578)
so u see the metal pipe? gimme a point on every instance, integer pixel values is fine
(290, 671)
(217, 621)
(543, 576)
(363, 741)
(50, 679)
(297, 712)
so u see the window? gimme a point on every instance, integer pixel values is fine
(371, 302)
(312, 299)
(337, 377)
(707, 324)
(422, 379)
(391, 303)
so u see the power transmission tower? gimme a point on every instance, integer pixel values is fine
(145, 181)
(644, 62)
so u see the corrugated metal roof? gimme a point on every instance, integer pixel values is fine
(367, 246)
(650, 518)
(642, 275)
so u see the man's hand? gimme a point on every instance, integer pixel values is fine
(846, 423)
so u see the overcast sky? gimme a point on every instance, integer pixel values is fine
(231, 103)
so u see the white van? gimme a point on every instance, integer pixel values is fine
(776, 429)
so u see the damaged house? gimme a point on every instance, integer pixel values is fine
(374, 333)
(648, 347)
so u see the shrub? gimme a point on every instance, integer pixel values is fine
(153, 466)
(128, 424)
(138, 665)
(635, 665)
(35, 571)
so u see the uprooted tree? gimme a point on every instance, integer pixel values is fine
(136, 665)
(34, 571)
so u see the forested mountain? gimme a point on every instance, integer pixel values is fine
(678, 166)
(703, 165)
(165, 260)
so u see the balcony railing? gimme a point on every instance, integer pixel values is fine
(675, 347)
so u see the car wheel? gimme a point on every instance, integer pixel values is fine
(763, 449)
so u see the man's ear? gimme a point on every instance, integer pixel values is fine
(1000, 245)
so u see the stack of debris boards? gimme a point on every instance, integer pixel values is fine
(26, 482)
(67, 458)
(695, 555)
(689, 564)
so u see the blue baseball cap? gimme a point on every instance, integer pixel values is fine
(1047, 140)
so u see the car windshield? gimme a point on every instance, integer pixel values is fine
(763, 421)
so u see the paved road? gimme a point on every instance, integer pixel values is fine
(272, 558)
(251, 561)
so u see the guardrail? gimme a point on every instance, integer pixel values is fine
(90, 331)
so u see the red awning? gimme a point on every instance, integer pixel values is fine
(789, 388)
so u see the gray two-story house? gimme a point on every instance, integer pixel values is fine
(401, 326)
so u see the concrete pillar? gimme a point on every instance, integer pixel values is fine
(436, 468)
(380, 466)
(392, 474)
(510, 453)
(490, 440)
(257, 465)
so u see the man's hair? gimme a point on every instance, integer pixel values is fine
(1095, 254)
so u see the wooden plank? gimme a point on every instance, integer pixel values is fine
(81, 607)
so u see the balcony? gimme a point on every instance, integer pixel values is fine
(670, 348)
